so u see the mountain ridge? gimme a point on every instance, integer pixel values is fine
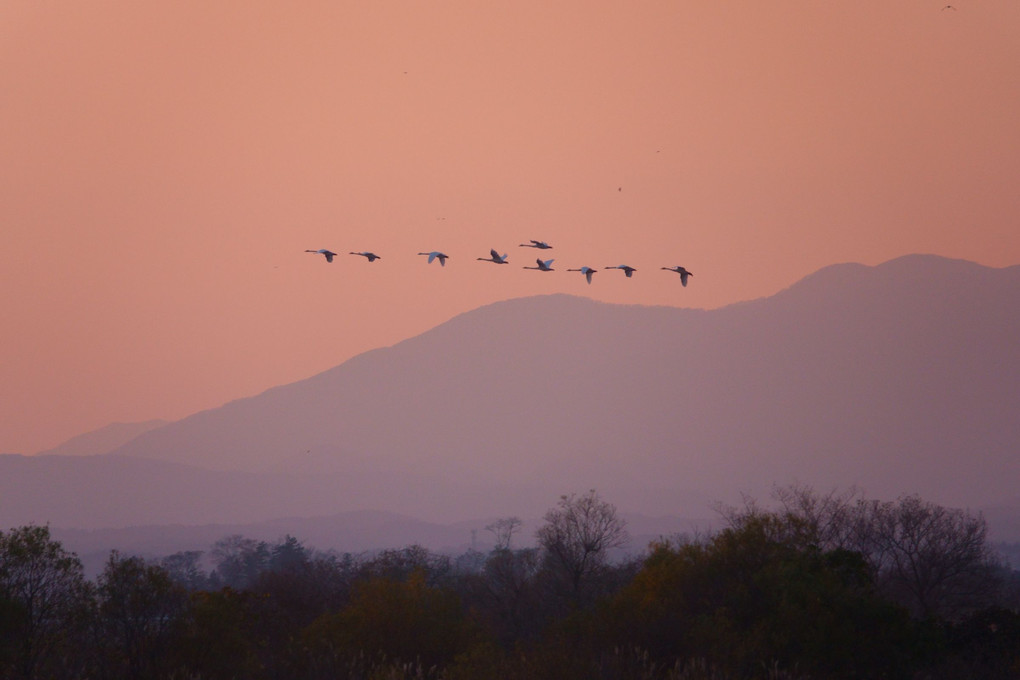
(897, 378)
(515, 354)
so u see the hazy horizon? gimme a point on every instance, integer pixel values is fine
(838, 381)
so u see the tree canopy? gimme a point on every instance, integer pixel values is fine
(817, 586)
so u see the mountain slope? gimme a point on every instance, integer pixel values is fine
(901, 378)
(103, 440)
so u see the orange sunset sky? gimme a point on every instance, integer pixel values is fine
(165, 165)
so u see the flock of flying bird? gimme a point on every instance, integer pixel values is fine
(496, 258)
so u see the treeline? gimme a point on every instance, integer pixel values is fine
(818, 586)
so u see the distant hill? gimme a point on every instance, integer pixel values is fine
(357, 532)
(899, 378)
(103, 440)
(96, 492)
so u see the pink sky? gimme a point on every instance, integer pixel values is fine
(164, 166)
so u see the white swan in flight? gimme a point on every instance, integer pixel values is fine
(322, 251)
(543, 265)
(434, 255)
(542, 245)
(587, 271)
(496, 257)
(681, 271)
(629, 271)
(370, 256)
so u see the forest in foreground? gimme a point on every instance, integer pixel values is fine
(815, 586)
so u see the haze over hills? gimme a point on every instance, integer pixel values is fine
(899, 378)
(103, 440)
(357, 532)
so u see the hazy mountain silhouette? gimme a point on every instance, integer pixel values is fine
(900, 378)
(93, 492)
(103, 440)
(356, 532)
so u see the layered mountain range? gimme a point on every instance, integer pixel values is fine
(900, 378)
